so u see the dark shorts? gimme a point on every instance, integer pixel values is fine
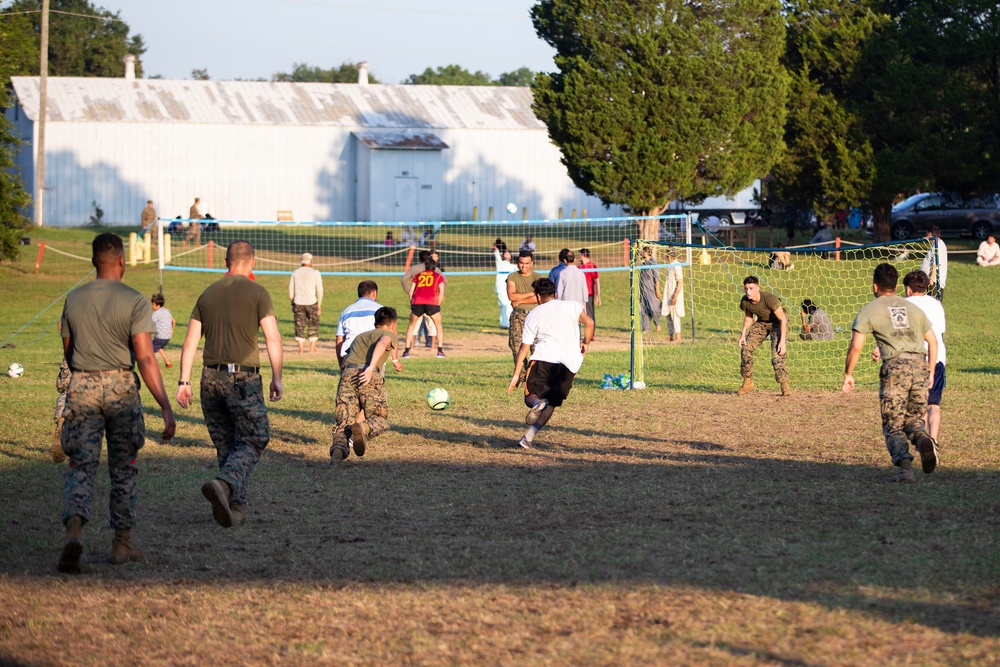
(549, 381)
(934, 395)
(160, 343)
(421, 309)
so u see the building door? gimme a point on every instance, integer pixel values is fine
(405, 192)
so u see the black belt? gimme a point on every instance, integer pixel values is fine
(234, 368)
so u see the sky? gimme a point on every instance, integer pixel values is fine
(249, 39)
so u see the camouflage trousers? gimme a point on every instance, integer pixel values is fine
(514, 333)
(902, 393)
(236, 418)
(352, 399)
(755, 336)
(62, 385)
(306, 321)
(98, 404)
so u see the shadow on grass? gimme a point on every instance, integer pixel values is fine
(687, 513)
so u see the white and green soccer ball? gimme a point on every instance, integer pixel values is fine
(15, 370)
(438, 399)
(512, 208)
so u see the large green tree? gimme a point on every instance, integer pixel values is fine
(84, 40)
(659, 100)
(347, 72)
(449, 75)
(15, 55)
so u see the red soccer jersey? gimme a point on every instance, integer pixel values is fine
(426, 291)
(591, 276)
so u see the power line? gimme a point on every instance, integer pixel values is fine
(402, 10)
(57, 11)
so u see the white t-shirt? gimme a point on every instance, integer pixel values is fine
(554, 329)
(358, 317)
(935, 313)
(989, 252)
(942, 259)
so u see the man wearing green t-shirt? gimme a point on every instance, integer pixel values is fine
(362, 387)
(521, 293)
(106, 328)
(229, 313)
(900, 328)
(763, 316)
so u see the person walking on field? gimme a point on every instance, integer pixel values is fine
(194, 227)
(164, 323)
(305, 289)
(593, 284)
(522, 299)
(148, 218)
(552, 331)
(426, 297)
(105, 326)
(763, 316)
(901, 331)
(361, 389)
(229, 313)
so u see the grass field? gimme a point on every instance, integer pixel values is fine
(678, 525)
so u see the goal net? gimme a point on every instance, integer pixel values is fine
(821, 289)
(388, 248)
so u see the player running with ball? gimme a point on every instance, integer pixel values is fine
(553, 328)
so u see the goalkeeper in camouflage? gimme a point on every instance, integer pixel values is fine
(763, 316)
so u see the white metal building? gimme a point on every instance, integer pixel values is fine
(321, 151)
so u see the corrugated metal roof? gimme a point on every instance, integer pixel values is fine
(80, 99)
(421, 141)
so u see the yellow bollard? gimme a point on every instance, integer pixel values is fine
(524, 213)
(705, 258)
(166, 248)
(491, 213)
(132, 250)
(573, 214)
(560, 213)
(147, 247)
(475, 213)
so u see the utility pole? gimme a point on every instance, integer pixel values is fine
(43, 104)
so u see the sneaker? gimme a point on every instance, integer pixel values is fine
(440, 353)
(905, 475)
(406, 354)
(928, 451)
(535, 411)
(524, 443)
(358, 438)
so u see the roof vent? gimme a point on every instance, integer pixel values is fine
(363, 73)
(129, 66)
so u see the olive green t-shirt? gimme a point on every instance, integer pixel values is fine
(764, 309)
(101, 317)
(230, 311)
(523, 284)
(897, 324)
(363, 346)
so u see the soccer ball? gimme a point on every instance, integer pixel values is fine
(512, 208)
(15, 370)
(438, 399)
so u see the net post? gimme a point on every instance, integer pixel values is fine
(633, 288)
(211, 253)
(41, 251)
(690, 257)
(159, 244)
(409, 259)
(836, 255)
(626, 262)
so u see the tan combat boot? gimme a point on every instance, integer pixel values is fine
(69, 560)
(56, 450)
(747, 387)
(239, 515)
(122, 550)
(785, 389)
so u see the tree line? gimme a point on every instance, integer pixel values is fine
(844, 102)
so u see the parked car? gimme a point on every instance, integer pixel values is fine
(976, 216)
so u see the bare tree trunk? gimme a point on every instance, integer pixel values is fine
(880, 214)
(649, 229)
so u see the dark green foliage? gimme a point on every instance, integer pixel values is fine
(301, 73)
(15, 55)
(80, 45)
(519, 77)
(200, 74)
(655, 101)
(450, 75)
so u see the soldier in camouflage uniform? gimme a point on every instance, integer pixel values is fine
(521, 293)
(900, 329)
(230, 311)
(106, 326)
(763, 316)
(362, 387)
